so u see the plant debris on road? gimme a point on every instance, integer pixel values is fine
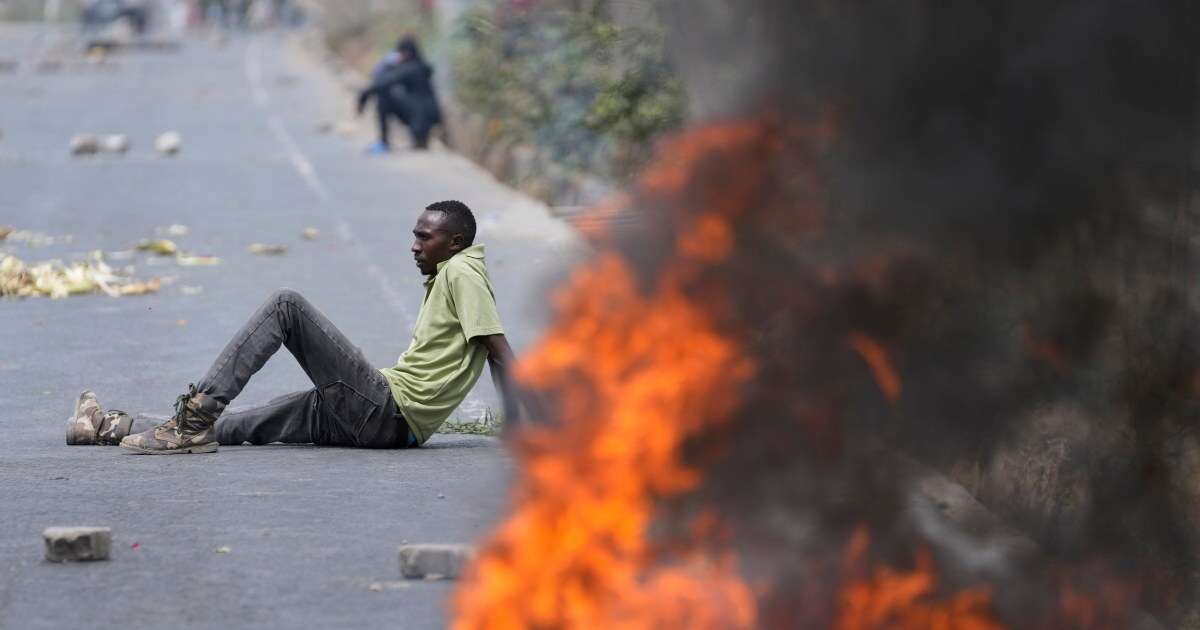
(55, 279)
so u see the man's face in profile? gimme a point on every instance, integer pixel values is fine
(433, 242)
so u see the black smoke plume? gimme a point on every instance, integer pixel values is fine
(963, 241)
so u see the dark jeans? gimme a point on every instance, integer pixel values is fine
(350, 405)
(419, 127)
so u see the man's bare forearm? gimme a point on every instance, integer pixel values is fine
(503, 363)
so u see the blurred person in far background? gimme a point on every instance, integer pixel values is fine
(99, 14)
(402, 86)
(215, 12)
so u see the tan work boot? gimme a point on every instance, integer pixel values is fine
(190, 430)
(89, 424)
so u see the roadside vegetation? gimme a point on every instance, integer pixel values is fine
(360, 31)
(589, 94)
(552, 96)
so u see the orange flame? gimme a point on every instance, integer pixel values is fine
(637, 370)
(904, 600)
(877, 359)
(639, 366)
(1091, 597)
(577, 553)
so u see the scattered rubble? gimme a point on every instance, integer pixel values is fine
(310, 233)
(261, 249)
(115, 143)
(85, 144)
(54, 279)
(434, 561)
(91, 144)
(168, 143)
(77, 544)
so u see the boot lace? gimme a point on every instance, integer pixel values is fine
(181, 404)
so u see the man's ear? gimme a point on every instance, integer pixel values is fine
(458, 242)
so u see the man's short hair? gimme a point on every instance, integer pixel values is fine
(459, 219)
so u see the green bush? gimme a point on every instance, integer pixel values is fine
(589, 95)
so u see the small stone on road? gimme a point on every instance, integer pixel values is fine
(168, 143)
(85, 144)
(115, 143)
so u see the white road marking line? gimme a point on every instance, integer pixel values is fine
(254, 76)
(301, 163)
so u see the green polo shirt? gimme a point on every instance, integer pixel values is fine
(442, 364)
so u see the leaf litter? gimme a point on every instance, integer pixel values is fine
(262, 249)
(56, 279)
(190, 260)
(10, 234)
(167, 247)
(159, 246)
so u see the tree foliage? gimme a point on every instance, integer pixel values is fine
(561, 75)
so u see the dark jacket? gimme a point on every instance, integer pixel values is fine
(408, 88)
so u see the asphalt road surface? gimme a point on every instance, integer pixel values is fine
(307, 529)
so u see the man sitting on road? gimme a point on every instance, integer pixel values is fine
(351, 403)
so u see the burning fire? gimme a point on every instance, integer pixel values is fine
(637, 367)
(636, 371)
(999, 229)
(903, 600)
(637, 375)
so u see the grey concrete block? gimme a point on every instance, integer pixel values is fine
(73, 544)
(434, 562)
